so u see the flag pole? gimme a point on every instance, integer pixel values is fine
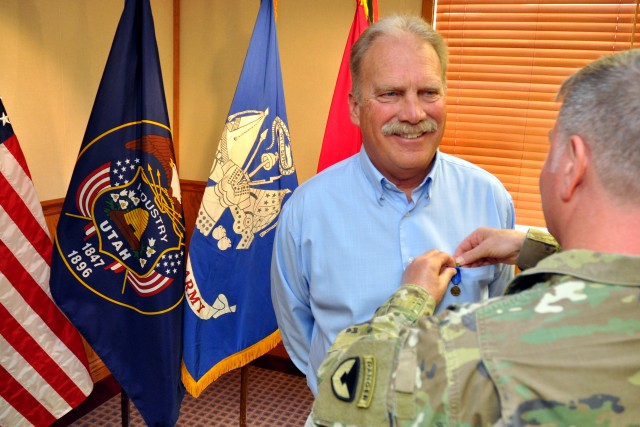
(244, 386)
(124, 404)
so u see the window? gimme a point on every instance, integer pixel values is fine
(507, 59)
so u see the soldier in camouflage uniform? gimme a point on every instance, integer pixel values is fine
(563, 347)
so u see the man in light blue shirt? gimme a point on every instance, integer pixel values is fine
(346, 235)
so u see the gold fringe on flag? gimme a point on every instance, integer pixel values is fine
(234, 361)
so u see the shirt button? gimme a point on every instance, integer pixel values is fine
(407, 215)
(410, 260)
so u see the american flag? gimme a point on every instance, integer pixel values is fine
(44, 372)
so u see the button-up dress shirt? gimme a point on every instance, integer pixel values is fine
(345, 236)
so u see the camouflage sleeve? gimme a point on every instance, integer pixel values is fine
(407, 367)
(347, 372)
(537, 245)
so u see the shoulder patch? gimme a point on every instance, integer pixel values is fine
(347, 376)
(345, 379)
(354, 390)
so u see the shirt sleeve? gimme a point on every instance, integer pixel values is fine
(290, 291)
(406, 367)
(348, 376)
(504, 272)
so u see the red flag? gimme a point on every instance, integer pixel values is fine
(342, 138)
(44, 372)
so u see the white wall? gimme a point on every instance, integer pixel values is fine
(52, 57)
(54, 52)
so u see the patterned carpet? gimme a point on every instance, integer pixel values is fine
(274, 399)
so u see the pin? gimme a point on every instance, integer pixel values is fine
(455, 281)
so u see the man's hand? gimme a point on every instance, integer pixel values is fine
(489, 246)
(432, 271)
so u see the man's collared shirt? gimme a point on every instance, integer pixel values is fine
(346, 235)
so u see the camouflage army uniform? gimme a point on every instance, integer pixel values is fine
(563, 350)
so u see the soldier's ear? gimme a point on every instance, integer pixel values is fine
(576, 166)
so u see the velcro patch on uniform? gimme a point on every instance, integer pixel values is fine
(348, 375)
(344, 380)
(365, 381)
(368, 381)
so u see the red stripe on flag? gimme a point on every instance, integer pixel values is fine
(22, 401)
(35, 355)
(41, 303)
(13, 147)
(149, 285)
(115, 266)
(21, 215)
(89, 231)
(15, 206)
(91, 186)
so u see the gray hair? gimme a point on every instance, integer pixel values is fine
(601, 104)
(395, 25)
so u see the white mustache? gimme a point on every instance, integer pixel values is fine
(398, 128)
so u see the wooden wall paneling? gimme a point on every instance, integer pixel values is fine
(192, 192)
(51, 210)
(428, 9)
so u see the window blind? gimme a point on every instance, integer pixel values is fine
(507, 61)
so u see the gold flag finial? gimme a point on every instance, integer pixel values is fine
(365, 5)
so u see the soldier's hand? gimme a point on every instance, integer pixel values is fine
(432, 271)
(486, 246)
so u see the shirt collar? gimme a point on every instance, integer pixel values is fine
(381, 184)
(615, 269)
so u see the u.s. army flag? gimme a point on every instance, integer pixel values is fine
(229, 319)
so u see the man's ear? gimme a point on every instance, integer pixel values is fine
(354, 109)
(576, 167)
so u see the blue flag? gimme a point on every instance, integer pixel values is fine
(118, 261)
(229, 318)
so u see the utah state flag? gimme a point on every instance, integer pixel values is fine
(118, 262)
